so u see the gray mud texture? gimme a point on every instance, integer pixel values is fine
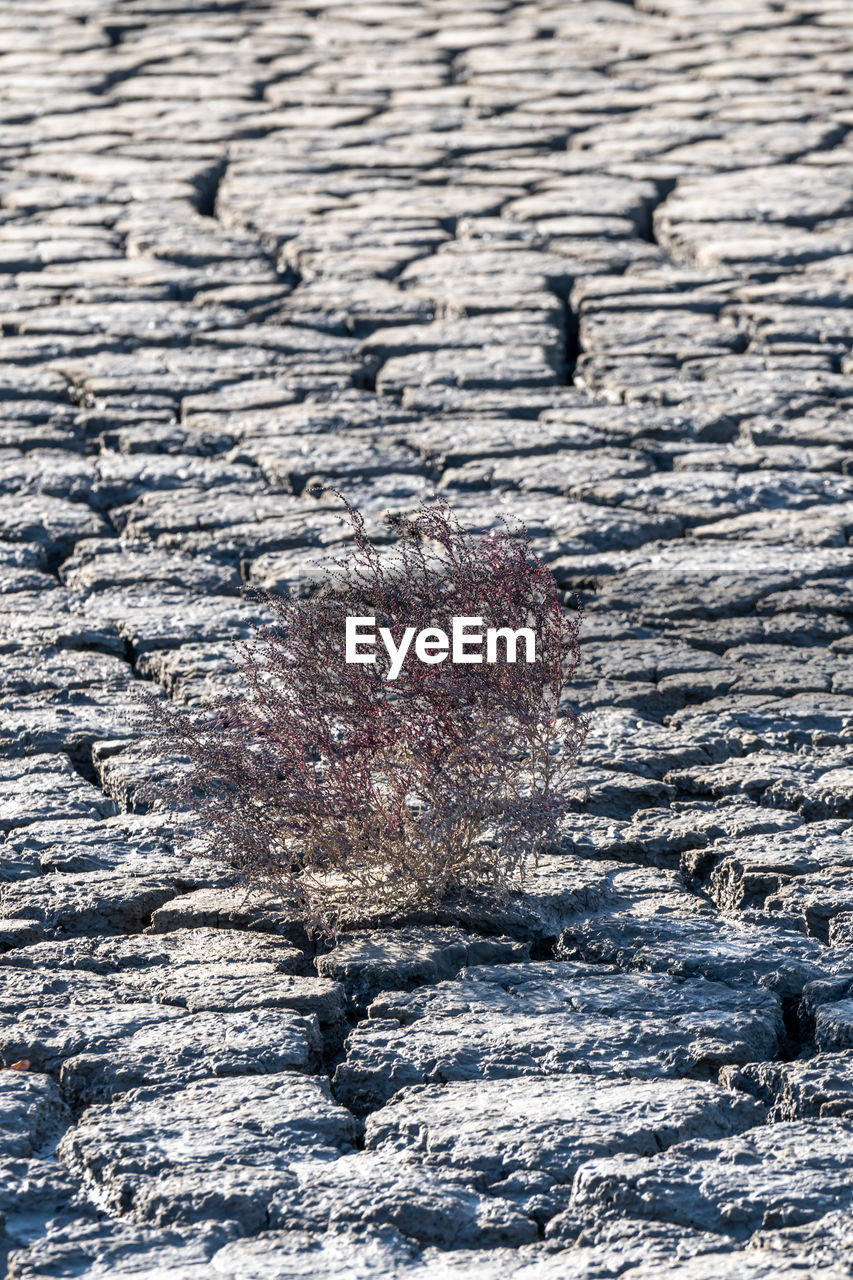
(589, 262)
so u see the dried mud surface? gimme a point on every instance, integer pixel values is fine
(588, 262)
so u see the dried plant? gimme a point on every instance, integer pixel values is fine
(352, 794)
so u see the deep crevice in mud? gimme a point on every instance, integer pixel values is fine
(799, 1037)
(208, 185)
(572, 352)
(83, 764)
(646, 230)
(117, 34)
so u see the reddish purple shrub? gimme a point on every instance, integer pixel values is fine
(354, 794)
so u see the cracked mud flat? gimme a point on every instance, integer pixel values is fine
(588, 262)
